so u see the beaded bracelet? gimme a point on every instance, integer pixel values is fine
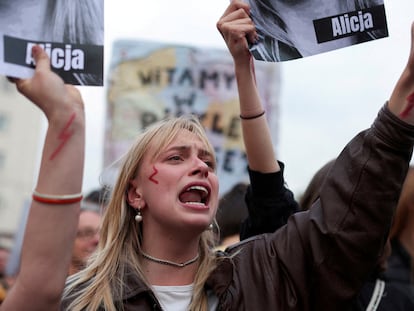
(252, 117)
(57, 199)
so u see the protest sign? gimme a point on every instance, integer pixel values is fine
(295, 29)
(151, 80)
(71, 33)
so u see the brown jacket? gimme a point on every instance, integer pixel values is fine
(321, 258)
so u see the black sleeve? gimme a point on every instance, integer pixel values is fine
(269, 203)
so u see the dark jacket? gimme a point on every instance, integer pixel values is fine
(262, 216)
(399, 264)
(389, 291)
(321, 258)
(389, 298)
(400, 269)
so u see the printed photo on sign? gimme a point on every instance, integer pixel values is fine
(71, 33)
(294, 29)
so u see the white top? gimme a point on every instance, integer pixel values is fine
(178, 298)
(174, 298)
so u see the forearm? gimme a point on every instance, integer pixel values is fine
(237, 29)
(52, 222)
(51, 228)
(256, 134)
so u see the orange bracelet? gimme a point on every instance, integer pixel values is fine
(57, 199)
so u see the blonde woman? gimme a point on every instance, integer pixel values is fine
(155, 250)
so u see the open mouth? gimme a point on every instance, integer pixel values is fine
(195, 195)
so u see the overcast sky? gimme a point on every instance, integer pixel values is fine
(325, 100)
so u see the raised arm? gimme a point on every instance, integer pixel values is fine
(236, 28)
(269, 202)
(52, 222)
(321, 258)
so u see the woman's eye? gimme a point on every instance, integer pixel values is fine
(174, 158)
(210, 164)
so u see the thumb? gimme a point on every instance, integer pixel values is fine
(41, 58)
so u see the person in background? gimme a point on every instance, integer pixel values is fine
(236, 221)
(311, 193)
(4, 257)
(87, 236)
(231, 212)
(400, 270)
(98, 197)
(5, 282)
(53, 217)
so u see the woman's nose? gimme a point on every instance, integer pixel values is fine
(200, 168)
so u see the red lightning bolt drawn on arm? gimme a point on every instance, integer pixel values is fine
(153, 174)
(63, 136)
(410, 106)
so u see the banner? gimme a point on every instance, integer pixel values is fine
(290, 30)
(150, 80)
(71, 33)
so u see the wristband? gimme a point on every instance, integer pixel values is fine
(57, 198)
(253, 117)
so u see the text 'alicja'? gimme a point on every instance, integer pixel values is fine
(346, 24)
(66, 59)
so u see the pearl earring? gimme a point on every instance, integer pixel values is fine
(138, 216)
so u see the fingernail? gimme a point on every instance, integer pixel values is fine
(35, 50)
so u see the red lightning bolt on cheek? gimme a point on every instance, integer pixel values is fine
(410, 106)
(151, 178)
(64, 136)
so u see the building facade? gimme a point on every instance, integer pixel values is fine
(21, 133)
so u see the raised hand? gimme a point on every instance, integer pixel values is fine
(401, 102)
(46, 89)
(237, 29)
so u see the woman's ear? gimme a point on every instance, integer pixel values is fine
(133, 196)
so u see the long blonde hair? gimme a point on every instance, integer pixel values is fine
(119, 249)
